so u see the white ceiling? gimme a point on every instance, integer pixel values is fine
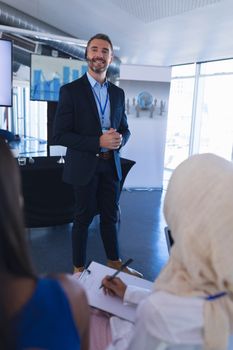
(148, 32)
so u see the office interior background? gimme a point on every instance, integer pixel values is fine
(173, 60)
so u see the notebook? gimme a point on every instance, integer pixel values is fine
(91, 280)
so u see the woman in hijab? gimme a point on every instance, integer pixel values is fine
(191, 305)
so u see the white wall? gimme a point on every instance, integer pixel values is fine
(145, 73)
(146, 145)
(132, 88)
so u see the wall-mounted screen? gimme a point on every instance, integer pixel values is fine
(48, 74)
(5, 73)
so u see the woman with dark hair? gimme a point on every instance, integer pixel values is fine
(41, 313)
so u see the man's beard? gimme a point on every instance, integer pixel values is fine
(97, 69)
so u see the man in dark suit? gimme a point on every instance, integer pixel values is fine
(91, 123)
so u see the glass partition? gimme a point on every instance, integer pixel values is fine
(200, 111)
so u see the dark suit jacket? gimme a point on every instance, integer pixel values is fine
(77, 126)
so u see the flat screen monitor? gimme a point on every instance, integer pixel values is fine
(48, 74)
(5, 73)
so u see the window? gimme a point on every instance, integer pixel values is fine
(179, 117)
(29, 120)
(200, 113)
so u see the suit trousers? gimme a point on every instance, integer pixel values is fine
(99, 196)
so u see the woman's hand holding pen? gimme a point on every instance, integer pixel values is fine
(114, 287)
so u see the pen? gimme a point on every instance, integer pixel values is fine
(118, 271)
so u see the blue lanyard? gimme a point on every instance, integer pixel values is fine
(102, 109)
(215, 296)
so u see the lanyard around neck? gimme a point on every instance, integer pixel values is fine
(102, 108)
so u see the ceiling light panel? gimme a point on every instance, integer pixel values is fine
(152, 10)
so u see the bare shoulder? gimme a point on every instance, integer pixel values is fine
(71, 286)
(75, 293)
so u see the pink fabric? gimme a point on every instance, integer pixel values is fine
(100, 332)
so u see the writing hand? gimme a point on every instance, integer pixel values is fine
(114, 287)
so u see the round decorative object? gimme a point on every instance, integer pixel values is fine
(145, 100)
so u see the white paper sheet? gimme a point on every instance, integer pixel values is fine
(91, 281)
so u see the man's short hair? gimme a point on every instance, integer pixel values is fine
(99, 36)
